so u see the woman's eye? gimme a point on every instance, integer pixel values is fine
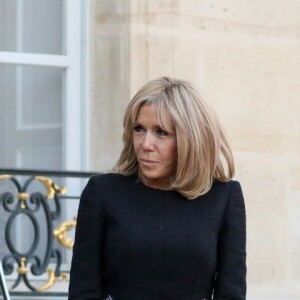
(138, 128)
(161, 132)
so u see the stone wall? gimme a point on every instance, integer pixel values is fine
(109, 79)
(245, 57)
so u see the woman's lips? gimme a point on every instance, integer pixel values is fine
(147, 161)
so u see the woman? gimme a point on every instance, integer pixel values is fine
(168, 222)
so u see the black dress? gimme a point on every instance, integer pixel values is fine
(134, 242)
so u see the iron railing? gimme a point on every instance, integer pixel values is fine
(42, 208)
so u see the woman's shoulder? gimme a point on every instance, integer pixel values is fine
(107, 186)
(112, 180)
(227, 198)
(226, 185)
(111, 176)
(225, 190)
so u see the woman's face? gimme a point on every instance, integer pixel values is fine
(155, 147)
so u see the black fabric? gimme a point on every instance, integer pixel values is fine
(134, 242)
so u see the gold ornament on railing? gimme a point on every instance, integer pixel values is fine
(52, 279)
(60, 233)
(23, 197)
(23, 269)
(5, 176)
(49, 283)
(51, 187)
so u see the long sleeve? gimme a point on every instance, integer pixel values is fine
(86, 275)
(231, 271)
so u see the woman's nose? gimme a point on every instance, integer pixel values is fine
(148, 142)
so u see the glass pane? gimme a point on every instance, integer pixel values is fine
(41, 91)
(32, 26)
(31, 102)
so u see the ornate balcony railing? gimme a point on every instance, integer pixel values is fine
(34, 197)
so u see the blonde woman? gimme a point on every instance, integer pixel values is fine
(169, 221)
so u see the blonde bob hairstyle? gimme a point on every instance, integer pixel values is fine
(203, 153)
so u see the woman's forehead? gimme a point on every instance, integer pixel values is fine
(163, 114)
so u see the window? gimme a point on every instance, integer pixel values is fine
(40, 84)
(42, 103)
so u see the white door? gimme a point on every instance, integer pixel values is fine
(41, 95)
